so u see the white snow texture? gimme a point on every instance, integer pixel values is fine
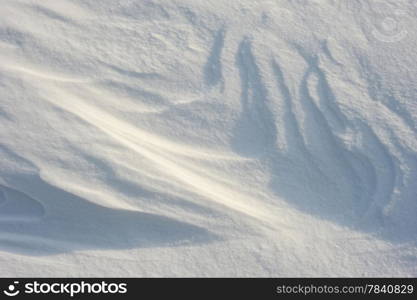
(208, 138)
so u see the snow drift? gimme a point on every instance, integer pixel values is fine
(208, 138)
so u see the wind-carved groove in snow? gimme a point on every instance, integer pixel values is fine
(385, 168)
(132, 74)
(327, 99)
(348, 172)
(405, 193)
(369, 191)
(366, 172)
(148, 97)
(15, 38)
(328, 53)
(401, 112)
(382, 175)
(213, 68)
(294, 137)
(319, 157)
(255, 132)
(296, 147)
(50, 14)
(329, 149)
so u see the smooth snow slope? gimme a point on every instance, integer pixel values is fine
(208, 138)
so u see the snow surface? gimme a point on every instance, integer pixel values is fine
(208, 138)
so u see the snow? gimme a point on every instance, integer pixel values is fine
(208, 138)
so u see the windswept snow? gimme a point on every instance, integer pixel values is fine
(208, 138)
